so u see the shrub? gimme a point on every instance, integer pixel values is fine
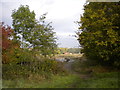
(24, 64)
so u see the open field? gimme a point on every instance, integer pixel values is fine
(71, 56)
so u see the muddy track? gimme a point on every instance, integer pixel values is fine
(68, 67)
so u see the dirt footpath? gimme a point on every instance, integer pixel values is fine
(68, 67)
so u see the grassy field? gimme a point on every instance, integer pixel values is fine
(55, 82)
(99, 77)
(72, 56)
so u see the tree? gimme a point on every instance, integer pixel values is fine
(38, 34)
(63, 50)
(6, 33)
(43, 38)
(8, 45)
(23, 22)
(100, 37)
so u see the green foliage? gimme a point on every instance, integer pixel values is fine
(23, 22)
(100, 36)
(12, 67)
(36, 34)
(63, 50)
(43, 37)
(24, 63)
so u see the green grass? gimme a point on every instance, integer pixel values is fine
(100, 77)
(57, 81)
(101, 80)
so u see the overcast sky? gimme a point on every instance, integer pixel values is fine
(62, 14)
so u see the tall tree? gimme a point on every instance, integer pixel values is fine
(100, 37)
(43, 37)
(39, 34)
(23, 22)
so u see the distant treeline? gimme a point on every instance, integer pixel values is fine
(68, 50)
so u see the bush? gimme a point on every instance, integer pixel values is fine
(24, 64)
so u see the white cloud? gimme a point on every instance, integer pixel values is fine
(65, 8)
(65, 34)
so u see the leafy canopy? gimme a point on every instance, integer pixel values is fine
(38, 34)
(100, 36)
(23, 22)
